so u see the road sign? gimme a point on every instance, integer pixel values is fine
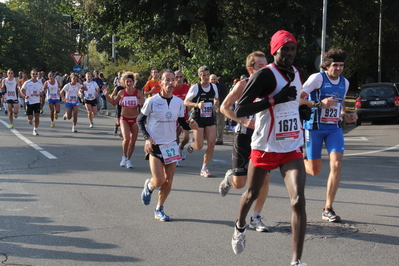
(77, 69)
(77, 58)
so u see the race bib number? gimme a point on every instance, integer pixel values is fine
(170, 153)
(54, 96)
(35, 94)
(287, 125)
(331, 115)
(11, 93)
(90, 96)
(73, 99)
(130, 101)
(206, 111)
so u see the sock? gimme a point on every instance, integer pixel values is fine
(159, 208)
(150, 188)
(256, 214)
(204, 167)
(240, 229)
(34, 128)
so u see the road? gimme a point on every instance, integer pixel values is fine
(64, 200)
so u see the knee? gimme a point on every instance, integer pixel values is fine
(252, 194)
(336, 165)
(298, 203)
(238, 182)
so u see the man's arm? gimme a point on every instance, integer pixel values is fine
(229, 101)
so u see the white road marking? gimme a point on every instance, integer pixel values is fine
(29, 142)
(356, 138)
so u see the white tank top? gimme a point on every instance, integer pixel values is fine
(11, 89)
(53, 91)
(278, 128)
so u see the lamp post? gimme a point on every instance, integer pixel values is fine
(379, 43)
(87, 66)
(323, 32)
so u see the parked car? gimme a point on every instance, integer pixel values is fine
(377, 101)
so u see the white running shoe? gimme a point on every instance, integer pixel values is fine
(123, 162)
(128, 164)
(238, 240)
(298, 263)
(65, 116)
(91, 125)
(35, 133)
(74, 129)
(224, 186)
(205, 173)
(258, 225)
(30, 122)
(182, 154)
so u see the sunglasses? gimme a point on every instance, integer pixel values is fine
(10, 72)
(34, 74)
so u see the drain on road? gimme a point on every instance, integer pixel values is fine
(320, 229)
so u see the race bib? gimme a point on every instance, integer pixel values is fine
(90, 96)
(73, 99)
(11, 93)
(35, 94)
(53, 96)
(206, 111)
(130, 101)
(287, 126)
(170, 152)
(331, 115)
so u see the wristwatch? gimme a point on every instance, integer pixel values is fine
(271, 101)
(317, 104)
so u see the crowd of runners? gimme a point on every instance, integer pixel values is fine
(280, 119)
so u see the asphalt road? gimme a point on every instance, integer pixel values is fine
(64, 200)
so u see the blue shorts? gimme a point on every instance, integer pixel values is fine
(333, 138)
(53, 100)
(71, 105)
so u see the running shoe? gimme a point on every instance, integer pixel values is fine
(129, 164)
(189, 148)
(5, 111)
(30, 122)
(329, 215)
(65, 116)
(224, 186)
(11, 126)
(298, 263)
(146, 194)
(123, 162)
(182, 154)
(238, 240)
(41, 111)
(258, 225)
(55, 116)
(1, 109)
(52, 124)
(91, 125)
(15, 115)
(160, 215)
(205, 173)
(74, 129)
(115, 131)
(177, 164)
(35, 133)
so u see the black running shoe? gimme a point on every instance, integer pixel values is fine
(329, 215)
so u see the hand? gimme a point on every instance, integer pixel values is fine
(193, 125)
(248, 122)
(287, 93)
(201, 104)
(328, 102)
(148, 145)
(350, 118)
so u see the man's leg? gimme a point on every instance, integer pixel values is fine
(334, 177)
(256, 178)
(295, 179)
(198, 139)
(210, 134)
